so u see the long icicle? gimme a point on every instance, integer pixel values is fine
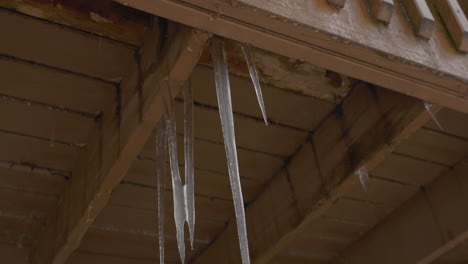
(161, 154)
(223, 92)
(177, 188)
(428, 107)
(189, 163)
(254, 75)
(363, 177)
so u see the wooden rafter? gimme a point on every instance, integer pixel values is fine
(434, 219)
(390, 56)
(371, 122)
(114, 146)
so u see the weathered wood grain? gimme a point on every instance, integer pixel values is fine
(113, 148)
(392, 56)
(370, 124)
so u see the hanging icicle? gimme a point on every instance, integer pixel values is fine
(161, 154)
(177, 188)
(253, 74)
(223, 92)
(363, 177)
(428, 107)
(189, 163)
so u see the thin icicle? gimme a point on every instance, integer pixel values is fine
(253, 74)
(177, 188)
(189, 163)
(161, 154)
(363, 177)
(428, 107)
(223, 92)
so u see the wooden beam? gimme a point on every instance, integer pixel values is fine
(433, 222)
(114, 146)
(285, 73)
(420, 16)
(455, 22)
(370, 123)
(392, 57)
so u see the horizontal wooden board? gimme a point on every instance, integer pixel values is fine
(21, 204)
(408, 170)
(250, 133)
(361, 212)
(434, 146)
(14, 255)
(61, 47)
(54, 87)
(124, 245)
(146, 199)
(207, 183)
(102, 18)
(93, 258)
(31, 181)
(145, 223)
(40, 121)
(37, 152)
(282, 106)
(212, 156)
(453, 122)
(385, 193)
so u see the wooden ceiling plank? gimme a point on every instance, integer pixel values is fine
(59, 47)
(308, 111)
(372, 122)
(391, 57)
(435, 219)
(209, 183)
(41, 121)
(101, 18)
(420, 16)
(256, 166)
(54, 87)
(37, 152)
(115, 145)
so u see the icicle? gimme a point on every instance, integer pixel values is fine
(161, 154)
(177, 188)
(223, 92)
(253, 74)
(189, 163)
(363, 177)
(428, 107)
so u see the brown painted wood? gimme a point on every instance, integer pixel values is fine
(420, 16)
(60, 47)
(337, 3)
(113, 148)
(438, 213)
(308, 111)
(432, 145)
(283, 72)
(24, 149)
(323, 170)
(102, 18)
(455, 22)
(312, 31)
(209, 183)
(54, 87)
(256, 166)
(382, 10)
